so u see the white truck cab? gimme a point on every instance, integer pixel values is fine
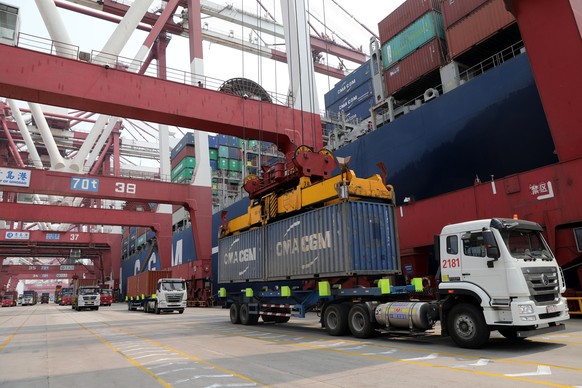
(171, 295)
(86, 297)
(498, 274)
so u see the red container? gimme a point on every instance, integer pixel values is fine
(421, 62)
(145, 282)
(188, 150)
(402, 16)
(478, 26)
(455, 10)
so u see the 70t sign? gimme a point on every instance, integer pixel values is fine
(92, 185)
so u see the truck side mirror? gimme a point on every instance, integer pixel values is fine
(491, 245)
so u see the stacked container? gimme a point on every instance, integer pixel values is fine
(412, 43)
(469, 22)
(353, 96)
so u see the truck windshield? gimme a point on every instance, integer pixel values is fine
(173, 286)
(106, 292)
(7, 297)
(88, 291)
(526, 244)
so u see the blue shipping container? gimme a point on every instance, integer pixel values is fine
(339, 240)
(356, 97)
(233, 141)
(351, 82)
(212, 142)
(214, 164)
(234, 153)
(222, 140)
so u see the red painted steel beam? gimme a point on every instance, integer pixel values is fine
(161, 223)
(43, 78)
(106, 187)
(55, 238)
(323, 45)
(15, 269)
(554, 46)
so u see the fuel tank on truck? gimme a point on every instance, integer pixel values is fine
(345, 239)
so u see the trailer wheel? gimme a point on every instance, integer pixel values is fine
(335, 319)
(360, 323)
(246, 318)
(467, 326)
(235, 313)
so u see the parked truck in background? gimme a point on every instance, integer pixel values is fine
(156, 292)
(106, 297)
(9, 298)
(29, 298)
(44, 298)
(85, 294)
(66, 296)
(495, 274)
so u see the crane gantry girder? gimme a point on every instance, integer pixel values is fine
(232, 15)
(44, 271)
(38, 77)
(161, 223)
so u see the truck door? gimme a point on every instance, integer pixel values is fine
(481, 270)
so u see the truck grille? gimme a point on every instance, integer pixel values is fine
(89, 297)
(174, 298)
(542, 283)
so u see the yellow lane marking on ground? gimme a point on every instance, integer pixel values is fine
(418, 363)
(131, 360)
(14, 333)
(351, 342)
(193, 358)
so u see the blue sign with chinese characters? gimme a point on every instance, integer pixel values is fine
(53, 236)
(14, 177)
(85, 184)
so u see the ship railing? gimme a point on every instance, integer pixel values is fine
(493, 61)
(117, 62)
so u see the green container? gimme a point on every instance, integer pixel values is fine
(234, 165)
(222, 151)
(187, 162)
(184, 176)
(424, 29)
(253, 145)
(213, 153)
(223, 163)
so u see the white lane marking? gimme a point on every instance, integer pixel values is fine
(542, 370)
(202, 377)
(151, 355)
(232, 385)
(174, 371)
(352, 348)
(168, 364)
(481, 362)
(165, 359)
(328, 345)
(391, 351)
(429, 357)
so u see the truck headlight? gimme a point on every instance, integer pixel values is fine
(526, 309)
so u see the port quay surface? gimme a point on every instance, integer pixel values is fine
(55, 346)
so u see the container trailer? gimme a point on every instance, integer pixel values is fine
(85, 294)
(156, 292)
(495, 274)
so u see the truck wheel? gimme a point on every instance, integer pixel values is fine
(72, 307)
(96, 308)
(146, 307)
(335, 319)
(157, 309)
(234, 313)
(360, 323)
(467, 326)
(181, 311)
